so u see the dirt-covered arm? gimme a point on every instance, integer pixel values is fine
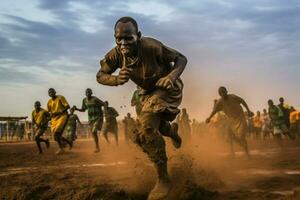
(180, 62)
(167, 55)
(243, 102)
(216, 109)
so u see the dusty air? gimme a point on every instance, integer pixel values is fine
(137, 107)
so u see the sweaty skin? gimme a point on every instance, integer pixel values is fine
(155, 68)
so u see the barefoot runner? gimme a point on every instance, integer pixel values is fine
(40, 118)
(58, 109)
(95, 114)
(230, 104)
(156, 69)
(111, 124)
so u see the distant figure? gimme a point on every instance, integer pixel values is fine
(185, 122)
(286, 111)
(250, 125)
(129, 126)
(93, 105)
(221, 123)
(40, 118)
(266, 125)
(58, 109)
(195, 127)
(257, 122)
(111, 125)
(230, 104)
(72, 126)
(295, 121)
(277, 119)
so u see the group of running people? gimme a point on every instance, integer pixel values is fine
(63, 120)
(278, 121)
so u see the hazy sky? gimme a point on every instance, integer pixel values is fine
(252, 47)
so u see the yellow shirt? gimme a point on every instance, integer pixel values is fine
(257, 122)
(40, 118)
(58, 105)
(294, 116)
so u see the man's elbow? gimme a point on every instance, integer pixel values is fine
(99, 77)
(182, 59)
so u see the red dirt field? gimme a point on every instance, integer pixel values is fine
(201, 169)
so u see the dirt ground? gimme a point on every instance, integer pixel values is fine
(201, 169)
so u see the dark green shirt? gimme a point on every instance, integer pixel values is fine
(275, 115)
(94, 108)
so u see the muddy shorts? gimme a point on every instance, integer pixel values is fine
(238, 127)
(96, 125)
(163, 102)
(280, 129)
(110, 127)
(147, 136)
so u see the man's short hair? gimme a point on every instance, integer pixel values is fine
(222, 88)
(51, 89)
(89, 89)
(127, 19)
(270, 101)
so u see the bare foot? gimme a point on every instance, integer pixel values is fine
(60, 151)
(160, 190)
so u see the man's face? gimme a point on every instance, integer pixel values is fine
(126, 37)
(281, 100)
(223, 92)
(51, 93)
(270, 103)
(88, 93)
(37, 106)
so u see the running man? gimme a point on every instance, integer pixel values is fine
(93, 105)
(186, 127)
(257, 123)
(111, 124)
(294, 120)
(230, 104)
(286, 111)
(156, 69)
(72, 126)
(58, 109)
(266, 126)
(129, 126)
(40, 118)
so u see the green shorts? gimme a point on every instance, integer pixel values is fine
(280, 129)
(96, 125)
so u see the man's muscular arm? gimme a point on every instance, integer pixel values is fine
(243, 102)
(217, 108)
(180, 61)
(105, 77)
(211, 115)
